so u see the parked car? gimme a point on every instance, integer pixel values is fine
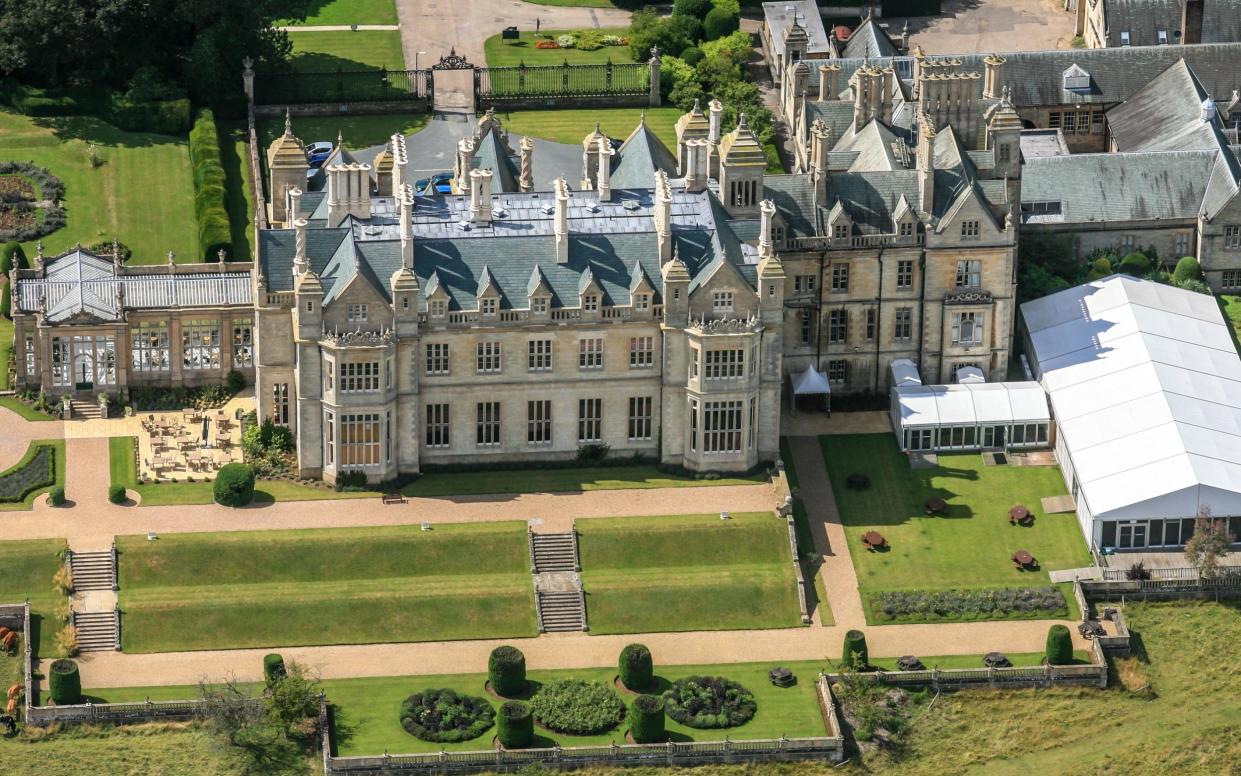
(318, 152)
(441, 181)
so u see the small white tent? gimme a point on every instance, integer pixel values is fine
(812, 382)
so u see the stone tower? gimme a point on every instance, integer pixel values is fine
(742, 164)
(286, 159)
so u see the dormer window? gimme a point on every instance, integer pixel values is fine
(777, 234)
(722, 302)
(538, 305)
(970, 230)
(1124, 39)
(641, 301)
(906, 229)
(439, 307)
(356, 313)
(840, 231)
(590, 303)
(488, 306)
(1076, 79)
(1163, 37)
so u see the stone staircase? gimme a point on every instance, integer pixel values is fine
(85, 410)
(97, 631)
(93, 570)
(559, 600)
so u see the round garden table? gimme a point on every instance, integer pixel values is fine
(873, 539)
(935, 506)
(1019, 514)
(1024, 558)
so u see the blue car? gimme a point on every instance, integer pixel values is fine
(318, 152)
(440, 183)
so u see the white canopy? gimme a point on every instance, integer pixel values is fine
(985, 404)
(970, 374)
(904, 373)
(1146, 387)
(811, 382)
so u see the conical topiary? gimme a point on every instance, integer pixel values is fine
(637, 670)
(855, 654)
(1059, 646)
(646, 719)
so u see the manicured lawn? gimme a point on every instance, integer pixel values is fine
(1231, 305)
(326, 52)
(326, 13)
(571, 480)
(141, 194)
(969, 547)
(328, 586)
(28, 567)
(570, 126)
(510, 53)
(681, 573)
(28, 502)
(238, 194)
(21, 408)
(358, 131)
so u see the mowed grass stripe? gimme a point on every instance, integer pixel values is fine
(682, 540)
(315, 555)
(359, 589)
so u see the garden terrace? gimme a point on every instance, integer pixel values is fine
(328, 586)
(510, 53)
(970, 545)
(682, 573)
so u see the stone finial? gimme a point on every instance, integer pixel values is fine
(116, 252)
(172, 259)
(221, 256)
(288, 123)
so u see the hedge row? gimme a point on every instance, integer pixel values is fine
(213, 232)
(37, 469)
(167, 117)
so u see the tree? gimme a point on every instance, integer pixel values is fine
(293, 704)
(1187, 269)
(720, 22)
(234, 485)
(694, 8)
(234, 714)
(1208, 544)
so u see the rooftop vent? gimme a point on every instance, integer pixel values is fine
(631, 204)
(548, 210)
(463, 225)
(501, 213)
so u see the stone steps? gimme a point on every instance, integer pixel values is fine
(554, 552)
(559, 612)
(85, 410)
(96, 631)
(92, 570)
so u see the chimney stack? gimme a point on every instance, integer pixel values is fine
(465, 161)
(400, 158)
(604, 174)
(993, 78)
(926, 163)
(820, 146)
(526, 180)
(300, 263)
(767, 213)
(696, 170)
(405, 199)
(562, 221)
(827, 82)
(480, 196)
(295, 203)
(663, 216)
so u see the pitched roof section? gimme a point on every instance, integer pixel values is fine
(640, 156)
(870, 41)
(871, 199)
(794, 198)
(1165, 115)
(490, 154)
(1145, 19)
(741, 148)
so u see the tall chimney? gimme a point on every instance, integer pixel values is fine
(480, 196)
(406, 201)
(696, 170)
(526, 180)
(827, 82)
(562, 221)
(663, 216)
(820, 146)
(714, 135)
(295, 203)
(925, 163)
(400, 158)
(300, 263)
(604, 174)
(993, 78)
(465, 161)
(767, 214)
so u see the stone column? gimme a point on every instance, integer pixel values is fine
(604, 173)
(655, 99)
(526, 181)
(562, 221)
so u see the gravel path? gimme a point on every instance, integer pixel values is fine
(16, 434)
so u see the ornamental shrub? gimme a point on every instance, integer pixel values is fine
(637, 670)
(691, 56)
(709, 702)
(1135, 264)
(855, 654)
(11, 255)
(234, 485)
(273, 668)
(444, 716)
(1100, 268)
(1187, 269)
(694, 8)
(515, 725)
(506, 670)
(720, 22)
(208, 176)
(66, 684)
(646, 719)
(1059, 646)
(576, 707)
(116, 493)
(56, 496)
(235, 381)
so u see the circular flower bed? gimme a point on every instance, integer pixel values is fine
(709, 702)
(29, 201)
(576, 707)
(444, 716)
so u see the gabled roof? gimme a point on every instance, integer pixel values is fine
(1144, 19)
(490, 154)
(1165, 115)
(794, 198)
(873, 144)
(640, 156)
(872, 198)
(869, 40)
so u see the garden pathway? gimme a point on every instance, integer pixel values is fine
(16, 434)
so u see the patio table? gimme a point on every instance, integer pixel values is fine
(936, 506)
(1019, 514)
(873, 539)
(1024, 558)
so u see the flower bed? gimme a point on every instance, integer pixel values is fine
(36, 470)
(29, 201)
(576, 707)
(444, 716)
(968, 604)
(709, 702)
(206, 397)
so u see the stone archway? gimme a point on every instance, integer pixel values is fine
(453, 84)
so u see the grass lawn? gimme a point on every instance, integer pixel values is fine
(358, 131)
(681, 573)
(327, 586)
(238, 194)
(28, 502)
(142, 194)
(326, 52)
(811, 561)
(970, 546)
(571, 480)
(326, 13)
(1231, 306)
(510, 53)
(21, 408)
(570, 126)
(28, 570)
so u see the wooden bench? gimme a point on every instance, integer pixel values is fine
(393, 498)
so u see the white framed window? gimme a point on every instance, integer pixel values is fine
(149, 346)
(590, 353)
(641, 301)
(752, 426)
(329, 375)
(905, 274)
(870, 324)
(487, 430)
(1163, 37)
(329, 437)
(280, 404)
(721, 427)
(1124, 38)
(722, 301)
(356, 313)
(488, 357)
(589, 420)
(969, 273)
(903, 324)
(840, 278)
(388, 371)
(438, 307)
(1182, 244)
(906, 228)
(803, 284)
(359, 440)
(359, 377)
(641, 352)
(538, 305)
(437, 358)
(970, 229)
(29, 354)
(967, 329)
(539, 422)
(838, 371)
(439, 425)
(693, 362)
(488, 305)
(725, 364)
(840, 231)
(1232, 237)
(693, 424)
(837, 326)
(590, 303)
(639, 418)
(539, 355)
(807, 326)
(243, 343)
(200, 344)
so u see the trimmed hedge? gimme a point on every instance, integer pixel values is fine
(968, 604)
(166, 117)
(646, 719)
(12, 255)
(515, 725)
(1059, 646)
(66, 684)
(36, 469)
(208, 174)
(234, 485)
(6, 302)
(56, 496)
(273, 668)
(445, 717)
(709, 702)
(855, 654)
(576, 707)
(116, 494)
(506, 670)
(1187, 269)
(637, 670)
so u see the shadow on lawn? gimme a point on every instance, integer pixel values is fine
(92, 130)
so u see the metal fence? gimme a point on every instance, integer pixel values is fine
(544, 81)
(382, 85)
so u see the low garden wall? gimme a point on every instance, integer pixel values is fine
(115, 713)
(784, 496)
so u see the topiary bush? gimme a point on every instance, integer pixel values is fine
(1100, 268)
(1135, 264)
(1187, 269)
(444, 716)
(855, 654)
(709, 702)
(720, 22)
(694, 8)
(576, 707)
(66, 684)
(116, 494)
(506, 670)
(646, 719)
(273, 668)
(235, 381)
(12, 255)
(1059, 646)
(515, 725)
(234, 485)
(637, 670)
(56, 496)
(208, 175)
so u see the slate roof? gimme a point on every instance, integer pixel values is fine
(640, 156)
(779, 18)
(794, 198)
(491, 154)
(871, 198)
(1165, 115)
(1143, 19)
(869, 40)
